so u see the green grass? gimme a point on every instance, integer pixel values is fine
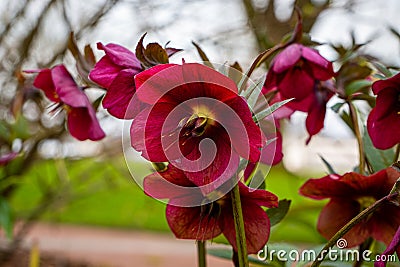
(103, 193)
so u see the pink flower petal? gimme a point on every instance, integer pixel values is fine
(104, 72)
(83, 124)
(45, 82)
(287, 58)
(120, 95)
(121, 56)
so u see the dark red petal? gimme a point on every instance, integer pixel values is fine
(326, 187)
(66, 88)
(296, 84)
(257, 196)
(335, 215)
(385, 222)
(271, 153)
(104, 72)
(256, 224)
(149, 131)
(287, 58)
(191, 223)
(205, 169)
(383, 122)
(320, 67)
(393, 82)
(120, 94)
(83, 124)
(315, 118)
(152, 84)
(178, 189)
(177, 83)
(120, 56)
(246, 137)
(376, 185)
(44, 82)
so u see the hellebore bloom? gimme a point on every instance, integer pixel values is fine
(301, 73)
(349, 195)
(59, 86)
(294, 72)
(196, 120)
(384, 120)
(115, 71)
(210, 220)
(393, 246)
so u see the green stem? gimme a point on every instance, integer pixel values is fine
(201, 253)
(362, 215)
(397, 153)
(357, 132)
(239, 227)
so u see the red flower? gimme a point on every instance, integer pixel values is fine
(384, 120)
(208, 221)
(302, 73)
(349, 194)
(197, 121)
(393, 246)
(59, 86)
(115, 72)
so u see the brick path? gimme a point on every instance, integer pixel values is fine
(117, 248)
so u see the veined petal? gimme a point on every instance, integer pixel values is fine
(257, 196)
(192, 223)
(326, 187)
(335, 215)
(256, 224)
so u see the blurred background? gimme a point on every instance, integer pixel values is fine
(75, 202)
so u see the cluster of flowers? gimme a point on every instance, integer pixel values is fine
(177, 108)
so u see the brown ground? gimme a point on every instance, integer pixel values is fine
(73, 246)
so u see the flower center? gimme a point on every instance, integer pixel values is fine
(366, 201)
(195, 126)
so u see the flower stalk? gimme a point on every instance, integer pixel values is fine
(362, 215)
(239, 227)
(357, 132)
(201, 253)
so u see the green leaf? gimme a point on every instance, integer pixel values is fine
(385, 71)
(6, 220)
(226, 253)
(277, 214)
(336, 108)
(328, 165)
(356, 86)
(263, 114)
(378, 159)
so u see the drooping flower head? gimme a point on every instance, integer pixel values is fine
(115, 71)
(59, 86)
(301, 73)
(391, 248)
(195, 120)
(210, 220)
(384, 120)
(349, 195)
